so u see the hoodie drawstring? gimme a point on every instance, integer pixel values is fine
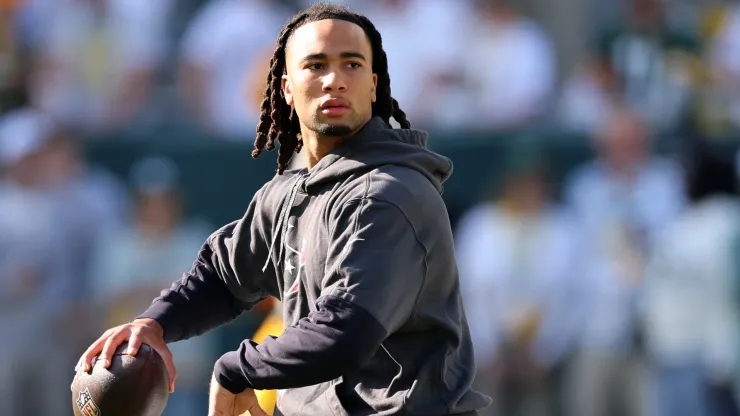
(282, 222)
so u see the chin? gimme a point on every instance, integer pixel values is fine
(334, 129)
(341, 126)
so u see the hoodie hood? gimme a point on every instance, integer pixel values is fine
(378, 144)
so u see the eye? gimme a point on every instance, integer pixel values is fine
(314, 66)
(354, 65)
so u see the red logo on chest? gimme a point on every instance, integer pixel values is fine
(290, 268)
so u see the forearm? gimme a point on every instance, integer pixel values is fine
(338, 338)
(198, 302)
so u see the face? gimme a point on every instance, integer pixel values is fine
(527, 190)
(158, 210)
(624, 141)
(330, 82)
(647, 12)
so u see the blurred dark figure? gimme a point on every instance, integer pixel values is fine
(13, 62)
(519, 273)
(623, 200)
(134, 264)
(691, 314)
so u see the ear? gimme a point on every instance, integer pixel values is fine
(375, 87)
(287, 90)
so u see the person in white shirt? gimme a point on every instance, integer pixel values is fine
(511, 76)
(689, 305)
(422, 39)
(224, 56)
(519, 272)
(623, 200)
(96, 59)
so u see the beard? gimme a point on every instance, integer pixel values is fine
(333, 130)
(328, 129)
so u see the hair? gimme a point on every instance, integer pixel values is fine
(279, 122)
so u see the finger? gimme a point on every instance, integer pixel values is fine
(169, 362)
(134, 343)
(109, 349)
(93, 350)
(257, 411)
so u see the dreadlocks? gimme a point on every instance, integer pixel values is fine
(279, 122)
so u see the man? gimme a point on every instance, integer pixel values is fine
(358, 248)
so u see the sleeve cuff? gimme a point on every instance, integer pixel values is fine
(162, 312)
(228, 373)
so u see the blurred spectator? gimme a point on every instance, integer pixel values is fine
(652, 63)
(135, 264)
(95, 60)
(511, 68)
(690, 312)
(426, 62)
(519, 273)
(623, 199)
(37, 273)
(589, 96)
(225, 58)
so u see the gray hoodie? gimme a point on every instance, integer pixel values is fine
(360, 251)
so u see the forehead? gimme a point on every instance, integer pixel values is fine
(330, 36)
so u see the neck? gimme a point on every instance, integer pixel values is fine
(154, 230)
(520, 209)
(626, 170)
(501, 14)
(316, 146)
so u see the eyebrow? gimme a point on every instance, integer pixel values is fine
(343, 55)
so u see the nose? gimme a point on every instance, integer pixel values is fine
(333, 81)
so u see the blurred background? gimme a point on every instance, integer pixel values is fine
(593, 199)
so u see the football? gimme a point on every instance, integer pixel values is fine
(131, 386)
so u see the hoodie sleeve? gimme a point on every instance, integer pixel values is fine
(375, 270)
(225, 280)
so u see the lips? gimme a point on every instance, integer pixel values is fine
(334, 107)
(333, 103)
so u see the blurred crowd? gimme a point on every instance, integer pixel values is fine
(100, 65)
(616, 294)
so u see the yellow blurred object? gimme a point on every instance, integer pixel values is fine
(712, 20)
(525, 324)
(272, 326)
(267, 400)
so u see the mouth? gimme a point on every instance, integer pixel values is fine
(334, 107)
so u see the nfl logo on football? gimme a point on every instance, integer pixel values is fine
(86, 404)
